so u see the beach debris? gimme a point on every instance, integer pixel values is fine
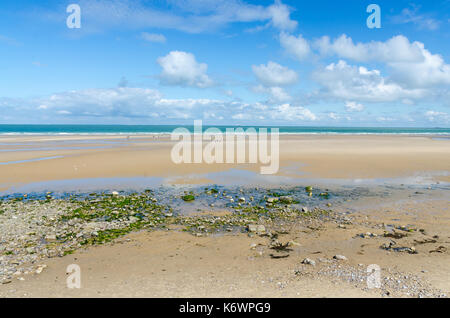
(294, 243)
(425, 241)
(340, 257)
(367, 235)
(308, 261)
(440, 249)
(280, 247)
(406, 228)
(392, 247)
(279, 256)
(395, 234)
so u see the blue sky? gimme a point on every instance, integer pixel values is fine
(226, 62)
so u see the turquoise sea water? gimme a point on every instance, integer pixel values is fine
(162, 129)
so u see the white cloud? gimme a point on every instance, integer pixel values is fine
(139, 105)
(153, 37)
(354, 107)
(280, 16)
(433, 116)
(279, 95)
(288, 112)
(274, 74)
(273, 77)
(396, 49)
(410, 63)
(181, 68)
(347, 82)
(333, 116)
(412, 16)
(296, 46)
(192, 16)
(430, 71)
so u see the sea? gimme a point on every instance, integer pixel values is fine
(167, 129)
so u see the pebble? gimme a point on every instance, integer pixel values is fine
(309, 261)
(340, 257)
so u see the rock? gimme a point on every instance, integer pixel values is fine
(115, 193)
(40, 268)
(340, 257)
(308, 189)
(309, 261)
(286, 200)
(50, 238)
(305, 209)
(253, 246)
(324, 260)
(252, 228)
(133, 219)
(272, 200)
(241, 199)
(260, 229)
(294, 243)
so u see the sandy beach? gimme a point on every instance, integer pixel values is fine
(376, 199)
(303, 156)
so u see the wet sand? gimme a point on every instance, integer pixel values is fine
(303, 156)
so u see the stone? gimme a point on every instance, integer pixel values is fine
(340, 257)
(115, 193)
(241, 199)
(260, 228)
(272, 200)
(50, 238)
(309, 261)
(286, 199)
(305, 209)
(40, 268)
(133, 219)
(252, 228)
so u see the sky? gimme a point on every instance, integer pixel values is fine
(226, 62)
